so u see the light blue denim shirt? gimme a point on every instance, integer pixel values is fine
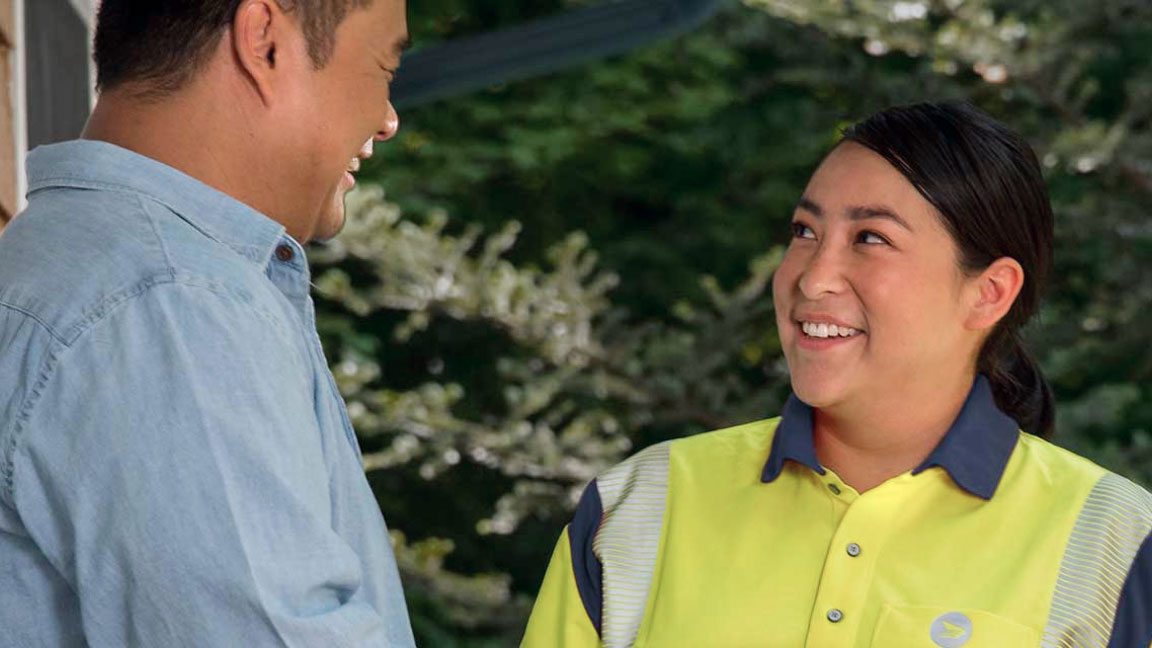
(176, 464)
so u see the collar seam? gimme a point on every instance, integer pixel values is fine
(48, 183)
(985, 424)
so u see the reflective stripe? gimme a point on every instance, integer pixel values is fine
(1115, 520)
(633, 495)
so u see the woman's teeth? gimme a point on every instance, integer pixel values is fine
(828, 330)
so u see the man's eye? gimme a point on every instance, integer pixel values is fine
(798, 230)
(880, 239)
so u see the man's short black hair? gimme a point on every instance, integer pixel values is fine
(162, 44)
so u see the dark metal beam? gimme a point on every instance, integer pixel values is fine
(543, 46)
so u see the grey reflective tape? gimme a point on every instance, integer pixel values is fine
(1115, 520)
(633, 494)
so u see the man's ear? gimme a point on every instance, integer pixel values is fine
(992, 293)
(258, 35)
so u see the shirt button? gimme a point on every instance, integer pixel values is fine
(834, 488)
(835, 615)
(284, 252)
(853, 549)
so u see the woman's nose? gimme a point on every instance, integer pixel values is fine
(822, 274)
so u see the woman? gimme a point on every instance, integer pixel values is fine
(906, 495)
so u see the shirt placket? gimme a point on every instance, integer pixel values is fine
(846, 577)
(288, 270)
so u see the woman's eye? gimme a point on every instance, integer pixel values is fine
(798, 230)
(879, 239)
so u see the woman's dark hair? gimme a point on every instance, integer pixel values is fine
(986, 184)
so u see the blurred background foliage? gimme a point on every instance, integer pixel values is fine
(539, 279)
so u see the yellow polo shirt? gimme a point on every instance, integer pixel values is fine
(741, 538)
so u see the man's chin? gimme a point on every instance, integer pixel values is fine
(331, 224)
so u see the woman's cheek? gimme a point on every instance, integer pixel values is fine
(899, 306)
(781, 283)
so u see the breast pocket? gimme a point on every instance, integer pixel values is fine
(907, 626)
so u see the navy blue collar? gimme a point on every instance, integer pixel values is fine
(975, 450)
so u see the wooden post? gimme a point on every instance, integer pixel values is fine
(8, 156)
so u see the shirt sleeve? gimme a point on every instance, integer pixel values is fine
(567, 610)
(1133, 624)
(173, 471)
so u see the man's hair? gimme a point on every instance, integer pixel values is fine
(160, 45)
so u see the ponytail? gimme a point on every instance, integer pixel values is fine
(986, 184)
(1018, 385)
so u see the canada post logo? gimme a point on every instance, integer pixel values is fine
(951, 630)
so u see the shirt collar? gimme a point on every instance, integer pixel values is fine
(91, 164)
(974, 451)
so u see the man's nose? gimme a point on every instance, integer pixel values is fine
(390, 126)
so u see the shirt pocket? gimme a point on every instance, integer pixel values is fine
(913, 626)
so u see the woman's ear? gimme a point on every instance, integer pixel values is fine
(992, 293)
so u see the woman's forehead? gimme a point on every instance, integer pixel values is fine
(853, 178)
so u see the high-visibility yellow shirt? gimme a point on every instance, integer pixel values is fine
(741, 538)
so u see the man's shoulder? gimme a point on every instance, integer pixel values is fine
(111, 307)
(74, 253)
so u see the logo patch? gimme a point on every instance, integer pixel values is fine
(951, 630)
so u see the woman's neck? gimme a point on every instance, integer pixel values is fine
(868, 443)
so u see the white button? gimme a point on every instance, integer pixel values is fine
(835, 615)
(853, 549)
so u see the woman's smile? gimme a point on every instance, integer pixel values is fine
(819, 337)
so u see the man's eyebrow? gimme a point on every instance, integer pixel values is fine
(402, 45)
(857, 213)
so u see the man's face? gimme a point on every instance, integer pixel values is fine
(340, 110)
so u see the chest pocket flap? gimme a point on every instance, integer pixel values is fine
(910, 626)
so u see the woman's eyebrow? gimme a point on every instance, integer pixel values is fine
(811, 207)
(865, 212)
(857, 213)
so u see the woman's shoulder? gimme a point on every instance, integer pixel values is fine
(1033, 452)
(754, 438)
(1056, 468)
(722, 443)
(726, 449)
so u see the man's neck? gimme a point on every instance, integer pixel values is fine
(866, 444)
(201, 138)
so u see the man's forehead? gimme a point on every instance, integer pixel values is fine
(391, 25)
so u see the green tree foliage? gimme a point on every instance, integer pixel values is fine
(542, 278)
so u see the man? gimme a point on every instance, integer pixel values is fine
(176, 465)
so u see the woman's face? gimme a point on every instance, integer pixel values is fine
(869, 252)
